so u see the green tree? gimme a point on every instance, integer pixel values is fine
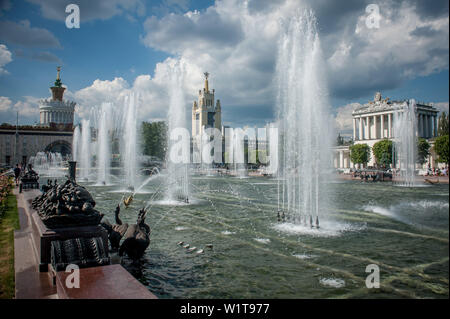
(339, 140)
(154, 139)
(382, 151)
(441, 148)
(443, 124)
(360, 153)
(423, 150)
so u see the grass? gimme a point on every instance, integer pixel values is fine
(8, 223)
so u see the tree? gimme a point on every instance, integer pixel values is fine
(423, 150)
(154, 139)
(382, 151)
(443, 124)
(360, 153)
(339, 140)
(441, 149)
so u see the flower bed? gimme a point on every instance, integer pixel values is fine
(5, 189)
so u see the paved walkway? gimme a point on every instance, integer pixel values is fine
(30, 283)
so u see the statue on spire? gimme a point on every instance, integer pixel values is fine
(58, 82)
(206, 82)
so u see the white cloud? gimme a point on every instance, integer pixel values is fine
(5, 58)
(5, 104)
(344, 119)
(28, 108)
(442, 106)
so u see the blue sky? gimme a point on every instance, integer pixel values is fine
(121, 43)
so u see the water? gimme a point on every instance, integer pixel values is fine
(48, 164)
(254, 256)
(178, 155)
(303, 111)
(76, 143)
(405, 132)
(85, 159)
(240, 169)
(104, 145)
(129, 142)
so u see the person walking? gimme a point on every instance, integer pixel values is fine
(17, 174)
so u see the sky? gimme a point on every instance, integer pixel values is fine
(125, 46)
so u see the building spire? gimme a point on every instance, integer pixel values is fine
(58, 82)
(206, 82)
(57, 88)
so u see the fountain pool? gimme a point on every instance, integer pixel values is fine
(402, 230)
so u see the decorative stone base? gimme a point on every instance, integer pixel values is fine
(43, 237)
(105, 282)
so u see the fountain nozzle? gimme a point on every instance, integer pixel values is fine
(311, 221)
(317, 222)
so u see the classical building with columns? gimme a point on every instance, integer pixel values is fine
(374, 121)
(53, 133)
(56, 110)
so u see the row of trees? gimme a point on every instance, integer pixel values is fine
(154, 139)
(382, 151)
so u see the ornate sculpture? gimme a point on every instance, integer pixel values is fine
(137, 238)
(115, 232)
(66, 205)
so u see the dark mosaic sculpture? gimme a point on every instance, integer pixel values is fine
(84, 252)
(30, 179)
(66, 205)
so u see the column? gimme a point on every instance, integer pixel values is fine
(341, 159)
(335, 162)
(354, 129)
(375, 135)
(360, 128)
(430, 126)
(390, 125)
(435, 126)
(366, 128)
(420, 125)
(382, 126)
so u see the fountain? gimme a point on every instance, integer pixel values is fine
(240, 169)
(76, 143)
(129, 142)
(405, 132)
(48, 164)
(178, 176)
(85, 159)
(104, 145)
(303, 112)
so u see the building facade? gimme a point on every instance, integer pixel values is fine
(53, 134)
(374, 122)
(206, 112)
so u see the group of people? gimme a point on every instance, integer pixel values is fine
(436, 172)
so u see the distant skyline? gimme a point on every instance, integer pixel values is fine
(126, 45)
